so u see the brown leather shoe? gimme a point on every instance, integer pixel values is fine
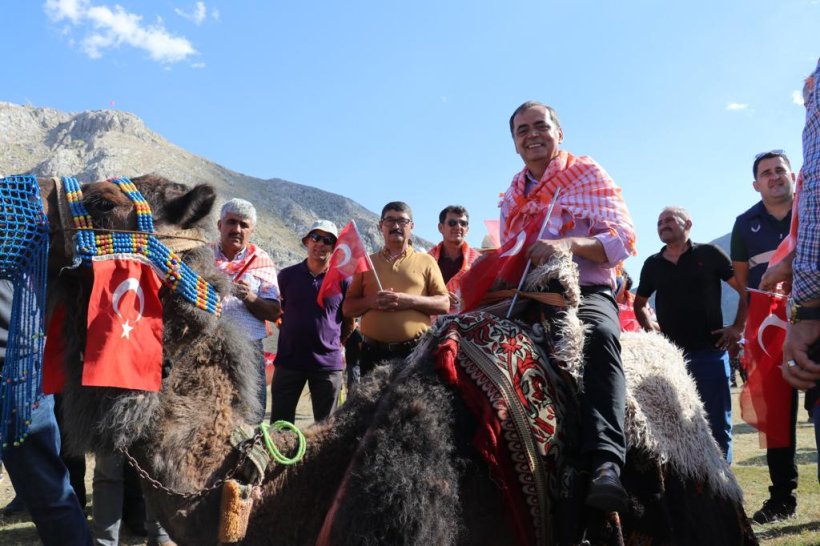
(605, 490)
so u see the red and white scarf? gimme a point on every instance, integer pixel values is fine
(261, 265)
(587, 192)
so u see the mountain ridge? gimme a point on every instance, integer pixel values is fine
(99, 144)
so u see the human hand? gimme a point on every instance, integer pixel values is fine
(455, 300)
(799, 370)
(776, 274)
(729, 336)
(242, 290)
(387, 300)
(543, 249)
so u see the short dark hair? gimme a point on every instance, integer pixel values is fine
(769, 155)
(454, 209)
(533, 104)
(398, 206)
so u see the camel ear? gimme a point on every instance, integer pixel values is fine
(191, 207)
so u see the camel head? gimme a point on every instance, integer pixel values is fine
(205, 366)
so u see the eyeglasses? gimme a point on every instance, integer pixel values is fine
(326, 239)
(454, 223)
(401, 222)
(770, 152)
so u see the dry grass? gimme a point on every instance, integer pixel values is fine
(749, 466)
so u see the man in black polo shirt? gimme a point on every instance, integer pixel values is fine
(686, 277)
(755, 236)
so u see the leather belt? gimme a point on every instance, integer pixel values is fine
(391, 347)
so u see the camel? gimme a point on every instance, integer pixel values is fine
(396, 462)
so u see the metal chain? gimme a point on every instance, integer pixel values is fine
(257, 438)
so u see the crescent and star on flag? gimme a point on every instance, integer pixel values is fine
(128, 285)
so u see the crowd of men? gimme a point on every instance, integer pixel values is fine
(397, 299)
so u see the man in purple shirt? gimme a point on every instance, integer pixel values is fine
(311, 339)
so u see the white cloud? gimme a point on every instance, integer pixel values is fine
(57, 10)
(108, 28)
(198, 15)
(735, 106)
(198, 65)
(797, 98)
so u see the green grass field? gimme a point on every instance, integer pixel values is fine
(749, 467)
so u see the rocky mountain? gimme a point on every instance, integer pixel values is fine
(99, 144)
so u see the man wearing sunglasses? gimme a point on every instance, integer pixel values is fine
(755, 236)
(311, 339)
(396, 307)
(453, 254)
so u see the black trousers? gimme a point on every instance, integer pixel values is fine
(372, 355)
(286, 388)
(782, 466)
(603, 400)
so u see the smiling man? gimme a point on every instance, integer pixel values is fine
(591, 221)
(255, 297)
(755, 236)
(453, 254)
(685, 277)
(396, 312)
(311, 339)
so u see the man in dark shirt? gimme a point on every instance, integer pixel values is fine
(755, 236)
(453, 254)
(686, 277)
(311, 340)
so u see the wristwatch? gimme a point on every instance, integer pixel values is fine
(796, 312)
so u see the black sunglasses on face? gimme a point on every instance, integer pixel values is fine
(326, 239)
(454, 223)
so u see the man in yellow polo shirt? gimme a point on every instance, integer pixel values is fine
(412, 289)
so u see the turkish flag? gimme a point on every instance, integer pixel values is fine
(348, 257)
(765, 402)
(505, 264)
(124, 345)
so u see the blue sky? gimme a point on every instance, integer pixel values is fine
(409, 101)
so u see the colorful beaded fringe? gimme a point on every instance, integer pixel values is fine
(172, 271)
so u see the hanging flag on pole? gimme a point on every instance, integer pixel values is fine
(765, 402)
(349, 257)
(505, 264)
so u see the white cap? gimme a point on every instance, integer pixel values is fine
(322, 225)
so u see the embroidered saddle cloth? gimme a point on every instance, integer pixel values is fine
(518, 399)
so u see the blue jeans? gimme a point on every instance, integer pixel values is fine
(710, 370)
(40, 480)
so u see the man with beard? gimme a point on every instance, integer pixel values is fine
(686, 277)
(453, 254)
(311, 338)
(397, 302)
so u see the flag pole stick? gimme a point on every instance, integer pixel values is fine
(367, 257)
(529, 262)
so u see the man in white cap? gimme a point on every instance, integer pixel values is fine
(311, 339)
